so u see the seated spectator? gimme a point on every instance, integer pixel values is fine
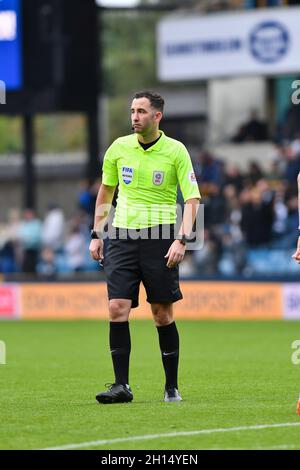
(292, 165)
(53, 228)
(232, 207)
(10, 255)
(291, 124)
(187, 268)
(295, 144)
(208, 169)
(46, 266)
(206, 259)
(7, 258)
(257, 219)
(87, 198)
(76, 249)
(215, 206)
(292, 222)
(275, 173)
(254, 173)
(254, 130)
(30, 235)
(233, 257)
(280, 214)
(233, 177)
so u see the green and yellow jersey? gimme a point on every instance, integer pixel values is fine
(148, 180)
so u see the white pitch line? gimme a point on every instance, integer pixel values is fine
(279, 446)
(146, 437)
(282, 446)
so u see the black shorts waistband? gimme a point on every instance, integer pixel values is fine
(157, 232)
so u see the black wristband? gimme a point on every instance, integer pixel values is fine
(96, 235)
(182, 238)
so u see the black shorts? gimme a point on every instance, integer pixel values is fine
(128, 262)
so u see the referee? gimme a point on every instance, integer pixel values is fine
(148, 166)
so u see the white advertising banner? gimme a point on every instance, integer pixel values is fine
(261, 42)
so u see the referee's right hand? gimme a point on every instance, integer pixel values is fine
(96, 249)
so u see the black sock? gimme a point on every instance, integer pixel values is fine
(120, 346)
(169, 346)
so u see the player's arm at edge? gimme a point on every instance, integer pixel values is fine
(102, 209)
(296, 255)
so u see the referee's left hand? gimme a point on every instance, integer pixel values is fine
(96, 249)
(175, 254)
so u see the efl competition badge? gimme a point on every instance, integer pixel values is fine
(158, 177)
(192, 177)
(127, 174)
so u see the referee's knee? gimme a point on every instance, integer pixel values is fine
(162, 314)
(119, 309)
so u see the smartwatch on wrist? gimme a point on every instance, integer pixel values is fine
(183, 239)
(96, 235)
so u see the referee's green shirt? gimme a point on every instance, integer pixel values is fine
(148, 180)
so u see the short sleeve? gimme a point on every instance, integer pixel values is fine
(186, 175)
(109, 167)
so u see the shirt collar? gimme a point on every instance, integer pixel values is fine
(156, 146)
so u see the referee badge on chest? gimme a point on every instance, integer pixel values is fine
(127, 174)
(158, 177)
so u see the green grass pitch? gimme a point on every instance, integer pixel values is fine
(232, 374)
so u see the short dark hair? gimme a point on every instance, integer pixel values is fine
(155, 99)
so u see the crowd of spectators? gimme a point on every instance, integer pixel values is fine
(254, 212)
(49, 246)
(248, 215)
